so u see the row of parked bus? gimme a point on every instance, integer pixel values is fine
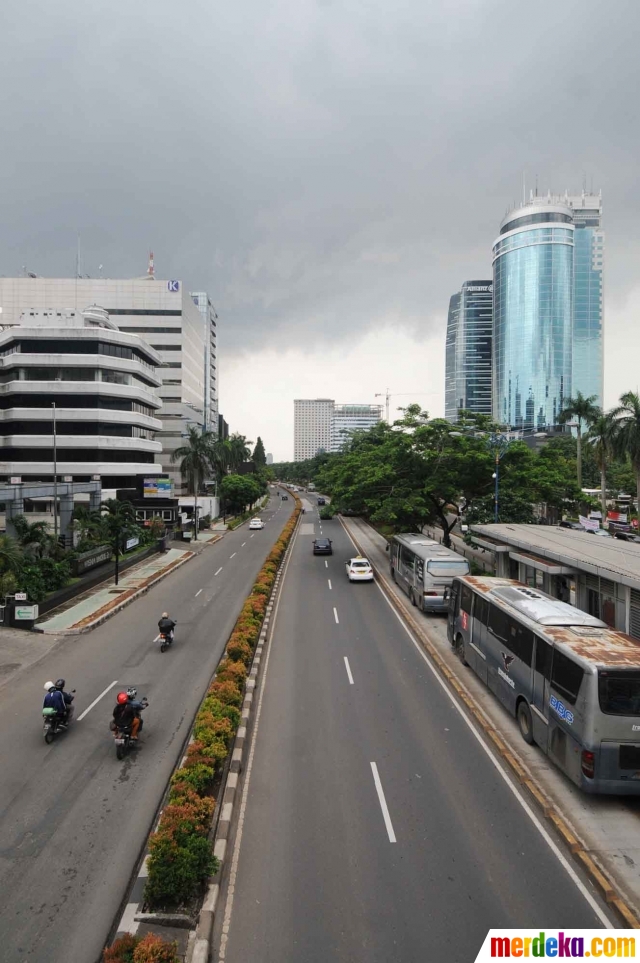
(571, 681)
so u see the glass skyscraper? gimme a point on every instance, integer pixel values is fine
(547, 309)
(468, 350)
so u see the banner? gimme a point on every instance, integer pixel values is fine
(559, 944)
(617, 517)
(591, 524)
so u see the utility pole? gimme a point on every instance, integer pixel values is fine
(55, 473)
(387, 395)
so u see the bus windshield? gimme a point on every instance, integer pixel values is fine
(619, 692)
(447, 568)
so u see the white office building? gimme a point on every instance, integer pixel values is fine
(159, 311)
(312, 425)
(103, 384)
(319, 424)
(350, 418)
(209, 317)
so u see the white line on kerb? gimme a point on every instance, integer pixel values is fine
(234, 555)
(602, 916)
(329, 581)
(348, 668)
(197, 593)
(383, 803)
(335, 615)
(96, 701)
(219, 570)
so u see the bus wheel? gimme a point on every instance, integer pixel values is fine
(412, 597)
(460, 650)
(525, 722)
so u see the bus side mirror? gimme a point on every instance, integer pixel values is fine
(386, 548)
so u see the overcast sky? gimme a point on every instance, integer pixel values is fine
(330, 171)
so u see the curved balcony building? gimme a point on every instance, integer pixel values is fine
(104, 385)
(533, 309)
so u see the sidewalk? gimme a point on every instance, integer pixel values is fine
(105, 601)
(607, 828)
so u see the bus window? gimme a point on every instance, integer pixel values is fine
(543, 658)
(481, 610)
(420, 569)
(520, 642)
(619, 692)
(498, 623)
(466, 597)
(406, 561)
(566, 676)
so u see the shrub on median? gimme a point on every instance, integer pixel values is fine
(180, 854)
(141, 949)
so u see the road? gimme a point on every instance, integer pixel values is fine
(73, 820)
(376, 825)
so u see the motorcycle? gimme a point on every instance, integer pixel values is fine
(122, 736)
(52, 723)
(165, 639)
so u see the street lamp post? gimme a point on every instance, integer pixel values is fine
(55, 473)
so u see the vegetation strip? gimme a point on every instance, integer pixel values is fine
(597, 873)
(181, 857)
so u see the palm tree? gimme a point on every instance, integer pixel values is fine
(600, 438)
(239, 450)
(34, 537)
(579, 409)
(197, 458)
(626, 438)
(118, 519)
(10, 554)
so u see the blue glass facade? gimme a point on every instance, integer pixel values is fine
(450, 390)
(468, 350)
(533, 304)
(588, 297)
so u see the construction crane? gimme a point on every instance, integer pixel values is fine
(387, 395)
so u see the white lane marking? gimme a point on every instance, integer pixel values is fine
(348, 668)
(219, 570)
(329, 581)
(251, 536)
(96, 701)
(233, 556)
(228, 909)
(606, 922)
(197, 594)
(243, 545)
(383, 804)
(335, 615)
(326, 564)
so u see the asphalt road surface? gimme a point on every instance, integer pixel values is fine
(377, 828)
(73, 820)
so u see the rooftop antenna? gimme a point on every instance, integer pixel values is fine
(78, 257)
(524, 192)
(150, 270)
(536, 185)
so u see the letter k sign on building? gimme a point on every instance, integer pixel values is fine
(173, 285)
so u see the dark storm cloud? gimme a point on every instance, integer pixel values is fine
(326, 167)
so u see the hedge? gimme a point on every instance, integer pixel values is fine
(180, 853)
(141, 949)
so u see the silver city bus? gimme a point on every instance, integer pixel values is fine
(424, 569)
(572, 682)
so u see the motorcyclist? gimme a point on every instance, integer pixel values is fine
(167, 625)
(68, 699)
(127, 713)
(54, 699)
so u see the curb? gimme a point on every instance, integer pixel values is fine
(231, 790)
(132, 598)
(596, 872)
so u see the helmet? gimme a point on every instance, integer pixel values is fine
(48, 686)
(61, 683)
(121, 698)
(132, 692)
(165, 615)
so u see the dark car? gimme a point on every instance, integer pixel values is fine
(322, 546)
(322, 501)
(627, 536)
(285, 498)
(575, 525)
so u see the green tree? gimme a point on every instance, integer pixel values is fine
(239, 451)
(626, 433)
(118, 520)
(583, 411)
(238, 492)
(259, 456)
(197, 458)
(34, 537)
(600, 440)
(10, 554)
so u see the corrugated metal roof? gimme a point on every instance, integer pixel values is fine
(607, 558)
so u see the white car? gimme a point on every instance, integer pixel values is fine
(256, 523)
(359, 569)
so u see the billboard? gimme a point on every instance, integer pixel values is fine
(160, 487)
